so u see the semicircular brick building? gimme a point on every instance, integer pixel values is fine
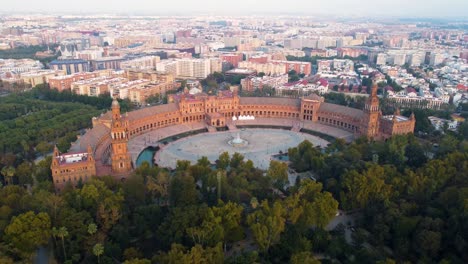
(105, 149)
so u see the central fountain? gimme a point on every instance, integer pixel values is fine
(238, 142)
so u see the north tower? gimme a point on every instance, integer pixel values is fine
(120, 158)
(372, 114)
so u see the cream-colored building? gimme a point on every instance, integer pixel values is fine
(139, 94)
(40, 77)
(216, 65)
(186, 68)
(267, 68)
(96, 86)
(147, 62)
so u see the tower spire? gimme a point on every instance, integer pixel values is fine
(370, 122)
(120, 157)
(115, 107)
(374, 89)
(372, 103)
(56, 151)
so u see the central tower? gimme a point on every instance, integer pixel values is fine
(370, 121)
(120, 158)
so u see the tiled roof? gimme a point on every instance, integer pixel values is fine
(71, 61)
(462, 87)
(301, 82)
(323, 82)
(149, 111)
(92, 137)
(270, 101)
(106, 116)
(334, 108)
(314, 97)
(410, 90)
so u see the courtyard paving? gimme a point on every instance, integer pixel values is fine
(262, 143)
(137, 144)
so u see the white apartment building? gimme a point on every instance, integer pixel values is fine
(439, 123)
(216, 65)
(189, 68)
(442, 94)
(169, 66)
(201, 68)
(399, 59)
(381, 59)
(267, 68)
(436, 58)
(232, 41)
(146, 62)
(185, 68)
(343, 65)
(89, 54)
(417, 58)
(20, 66)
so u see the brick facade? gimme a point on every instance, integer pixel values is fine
(217, 111)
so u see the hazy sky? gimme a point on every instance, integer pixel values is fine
(420, 8)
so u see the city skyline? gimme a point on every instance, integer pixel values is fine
(397, 8)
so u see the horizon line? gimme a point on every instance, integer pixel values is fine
(233, 14)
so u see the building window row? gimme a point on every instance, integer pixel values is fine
(337, 123)
(74, 179)
(271, 113)
(151, 126)
(193, 118)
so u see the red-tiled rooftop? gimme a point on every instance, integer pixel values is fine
(270, 101)
(302, 82)
(150, 111)
(462, 87)
(352, 112)
(323, 82)
(314, 97)
(410, 90)
(106, 116)
(92, 137)
(225, 93)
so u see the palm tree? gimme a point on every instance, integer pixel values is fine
(55, 234)
(54, 202)
(92, 228)
(92, 239)
(254, 202)
(98, 250)
(62, 232)
(8, 173)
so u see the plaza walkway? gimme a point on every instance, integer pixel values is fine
(296, 125)
(151, 139)
(262, 144)
(137, 144)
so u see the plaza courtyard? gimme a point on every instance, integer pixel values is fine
(261, 145)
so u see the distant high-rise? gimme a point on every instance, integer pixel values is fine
(464, 55)
(436, 58)
(381, 59)
(70, 66)
(232, 58)
(399, 59)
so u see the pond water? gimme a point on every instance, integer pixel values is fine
(146, 155)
